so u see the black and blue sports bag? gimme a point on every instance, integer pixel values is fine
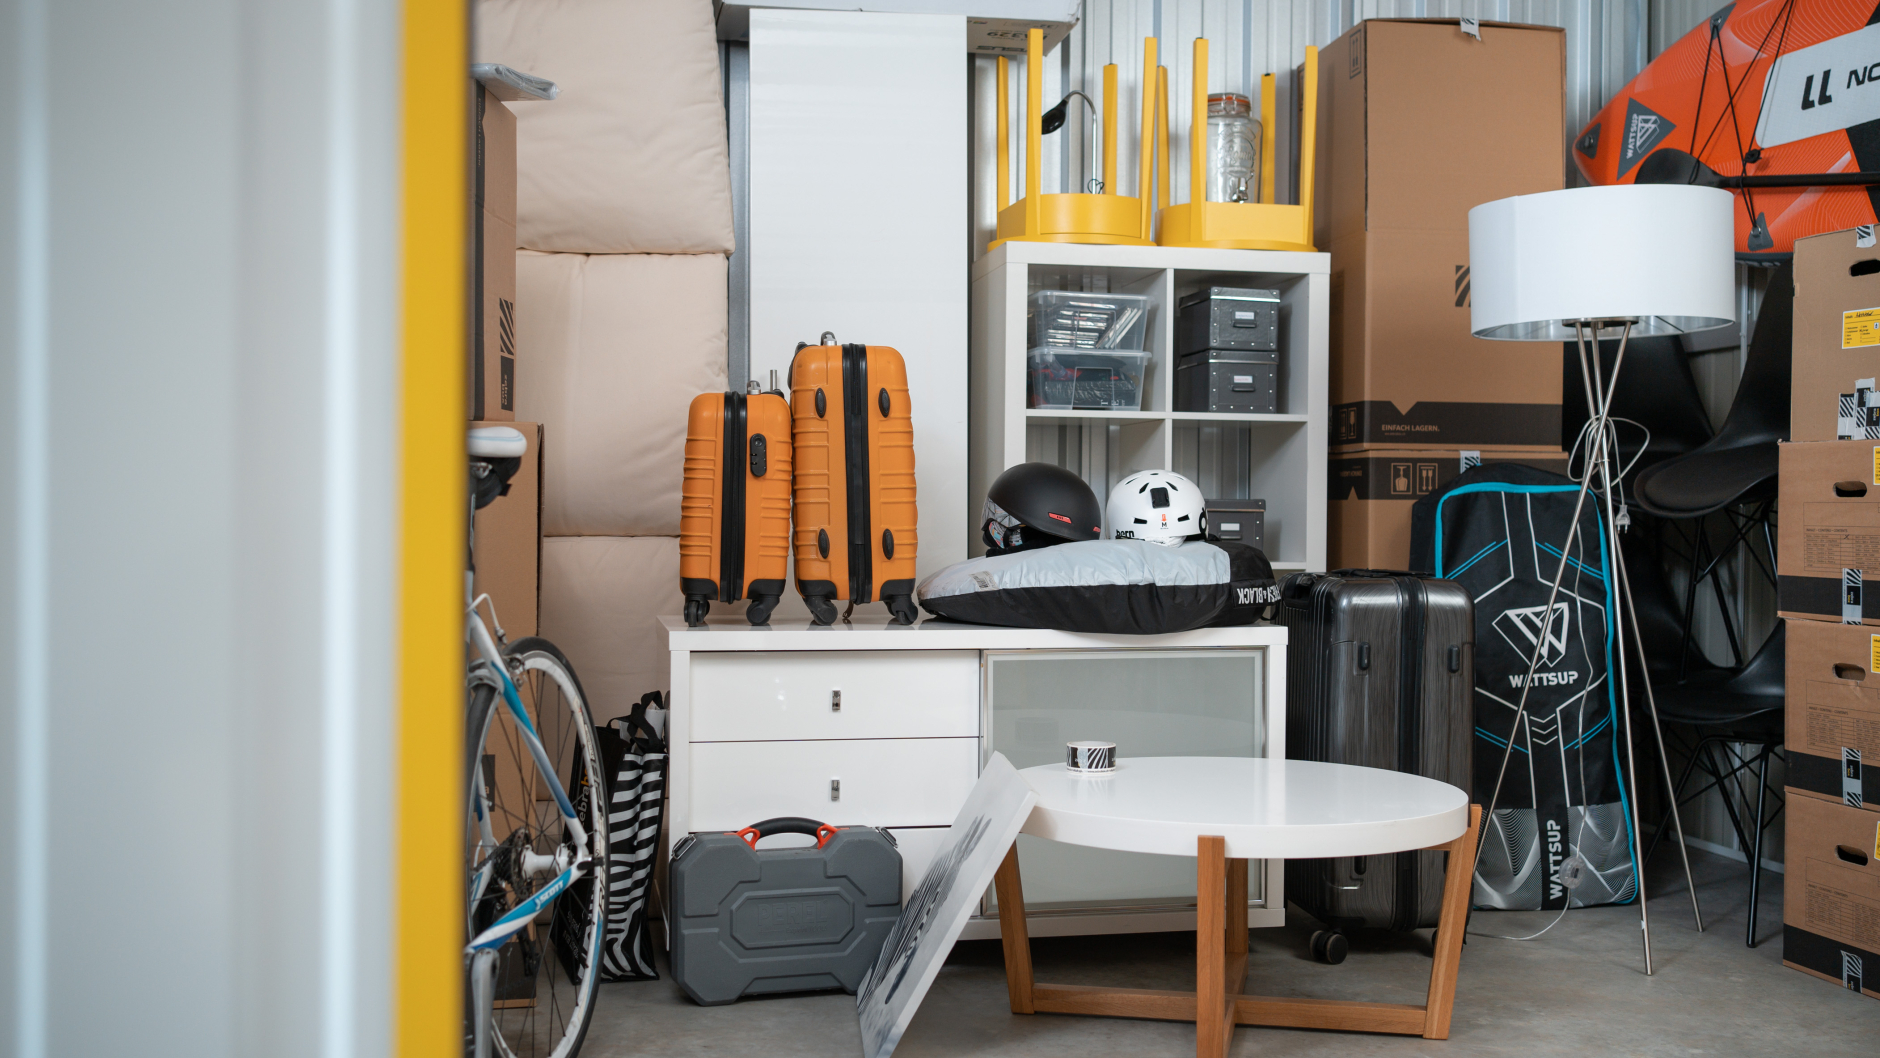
(1559, 835)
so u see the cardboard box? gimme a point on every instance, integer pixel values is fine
(1420, 123)
(492, 378)
(509, 542)
(1828, 540)
(1833, 714)
(1837, 339)
(1372, 491)
(1831, 893)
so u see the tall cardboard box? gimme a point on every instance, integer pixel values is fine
(492, 378)
(509, 542)
(1373, 490)
(1828, 539)
(1420, 122)
(1832, 686)
(1831, 893)
(1837, 339)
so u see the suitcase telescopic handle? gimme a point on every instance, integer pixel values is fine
(821, 831)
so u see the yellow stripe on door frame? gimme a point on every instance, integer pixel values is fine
(428, 966)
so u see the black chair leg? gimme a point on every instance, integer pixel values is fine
(1755, 856)
(1689, 763)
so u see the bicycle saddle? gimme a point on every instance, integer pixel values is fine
(497, 442)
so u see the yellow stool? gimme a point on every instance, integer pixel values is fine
(1262, 225)
(1107, 218)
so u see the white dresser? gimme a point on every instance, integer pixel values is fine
(884, 725)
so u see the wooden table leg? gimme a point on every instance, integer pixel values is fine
(1011, 896)
(1458, 881)
(1214, 1010)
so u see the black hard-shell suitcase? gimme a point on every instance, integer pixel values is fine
(1379, 673)
(746, 921)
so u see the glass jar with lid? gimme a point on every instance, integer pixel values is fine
(1233, 149)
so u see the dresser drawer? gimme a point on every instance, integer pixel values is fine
(756, 697)
(902, 782)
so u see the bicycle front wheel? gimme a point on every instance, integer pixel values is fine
(542, 992)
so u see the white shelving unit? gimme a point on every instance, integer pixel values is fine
(1280, 458)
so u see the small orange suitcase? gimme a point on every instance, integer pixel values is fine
(856, 534)
(734, 506)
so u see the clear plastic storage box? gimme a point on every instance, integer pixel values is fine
(1086, 379)
(1066, 319)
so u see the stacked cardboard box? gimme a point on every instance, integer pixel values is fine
(1373, 490)
(1828, 549)
(509, 542)
(492, 381)
(1421, 123)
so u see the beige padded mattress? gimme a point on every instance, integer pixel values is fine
(611, 349)
(631, 158)
(601, 596)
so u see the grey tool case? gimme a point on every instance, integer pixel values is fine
(1380, 673)
(746, 921)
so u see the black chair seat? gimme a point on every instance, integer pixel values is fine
(1747, 701)
(1707, 480)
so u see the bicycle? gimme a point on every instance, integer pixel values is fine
(535, 857)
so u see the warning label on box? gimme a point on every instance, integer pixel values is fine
(1860, 327)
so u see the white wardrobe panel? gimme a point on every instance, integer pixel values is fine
(858, 220)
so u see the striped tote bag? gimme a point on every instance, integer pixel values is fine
(634, 756)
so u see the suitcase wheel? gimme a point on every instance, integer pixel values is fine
(821, 610)
(761, 606)
(1330, 946)
(903, 608)
(696, 607)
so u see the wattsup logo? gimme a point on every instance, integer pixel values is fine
(1645, 129)
(1524, 627)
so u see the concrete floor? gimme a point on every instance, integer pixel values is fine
(1578, 991)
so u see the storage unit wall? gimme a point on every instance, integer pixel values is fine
(1279, 457)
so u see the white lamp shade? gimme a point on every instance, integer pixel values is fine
(1660, 254)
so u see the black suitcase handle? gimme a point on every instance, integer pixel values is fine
(756, 832)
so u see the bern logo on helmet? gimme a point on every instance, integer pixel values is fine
(1125, 534)
(1059, 517)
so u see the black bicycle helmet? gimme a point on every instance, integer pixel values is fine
(1036, 505)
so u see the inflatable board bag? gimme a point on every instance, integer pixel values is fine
(734, 507)
(855, 510)
(1121, 586)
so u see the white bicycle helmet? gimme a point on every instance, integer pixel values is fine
(1159, 506)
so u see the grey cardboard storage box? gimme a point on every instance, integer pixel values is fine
(1242, 520)
(1228, 318)
(745, 921)
(1229, 380)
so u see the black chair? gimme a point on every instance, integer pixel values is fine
(1725, 709)
(1656, 392)
(1734, 473)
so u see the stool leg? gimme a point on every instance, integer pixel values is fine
(1012, 933)
(1214, 1025)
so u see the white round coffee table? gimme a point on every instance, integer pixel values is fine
(1226, 811)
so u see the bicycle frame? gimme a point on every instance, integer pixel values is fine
(520, 915)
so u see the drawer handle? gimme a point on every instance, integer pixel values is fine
(835, 701)
(835, 789)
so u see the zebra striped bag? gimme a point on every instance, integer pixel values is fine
(635, 759)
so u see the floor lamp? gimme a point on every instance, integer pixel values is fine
(1580, 265)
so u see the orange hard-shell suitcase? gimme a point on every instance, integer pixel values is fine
(734, 507)
(856, 533)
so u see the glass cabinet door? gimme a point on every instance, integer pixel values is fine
(1190, 703)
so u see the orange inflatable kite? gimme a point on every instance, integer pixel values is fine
(1776, 100)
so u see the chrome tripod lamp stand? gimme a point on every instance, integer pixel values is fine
(1577, 266)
